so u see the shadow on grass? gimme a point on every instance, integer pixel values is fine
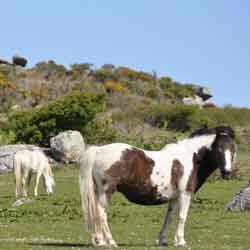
(88, 245)
(58, 244)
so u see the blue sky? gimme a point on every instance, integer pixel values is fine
(204, 42)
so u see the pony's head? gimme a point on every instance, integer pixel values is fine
(224, 148)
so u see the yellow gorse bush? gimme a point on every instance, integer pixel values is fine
(112, 86)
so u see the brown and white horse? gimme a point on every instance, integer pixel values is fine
(152, 177)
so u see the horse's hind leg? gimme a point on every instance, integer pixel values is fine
(18, 178)
(104, 193)
(105, 227)
(37, 182)
(98, 232)
(162, 238)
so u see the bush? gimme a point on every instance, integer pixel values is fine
(77, 70)
(112, 86)
(229, 115)
(176, 117)
(70, 112)
(175, 90)
(51, 68)
(6, 137)
(103, 75)
(100, 131)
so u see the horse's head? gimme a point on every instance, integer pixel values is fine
(224, 149)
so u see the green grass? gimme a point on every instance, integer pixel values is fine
(56, 222)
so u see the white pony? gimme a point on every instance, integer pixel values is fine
(27, 162)
(152, 178)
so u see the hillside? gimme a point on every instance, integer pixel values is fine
(134, 106)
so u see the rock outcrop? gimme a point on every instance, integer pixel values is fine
(195, 100)
(200, 96)
(202, 92)
(241, 200)
(19, 60)
(2, 61)
(67, 146)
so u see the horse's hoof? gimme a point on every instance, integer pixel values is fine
(161, 242)
(112, 243)
(181, 243)
(99, 242)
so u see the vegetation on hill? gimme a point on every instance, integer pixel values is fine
(140, 108)
(74, 111)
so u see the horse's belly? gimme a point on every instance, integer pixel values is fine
(143, 195)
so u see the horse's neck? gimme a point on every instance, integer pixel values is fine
(206, 167)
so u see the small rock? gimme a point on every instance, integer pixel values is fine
(19, 60)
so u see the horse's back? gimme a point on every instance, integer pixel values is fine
(32, 159)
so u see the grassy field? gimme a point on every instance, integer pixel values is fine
(56, 222)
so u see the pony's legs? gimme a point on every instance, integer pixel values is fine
(102, 235)
(37, 182)
(29, 178)
(184, 203)
(18, 177)
(105, 227)
(97, 235)
(162, 238)
(25, 180)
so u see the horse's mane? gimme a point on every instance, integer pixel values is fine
(219, 130)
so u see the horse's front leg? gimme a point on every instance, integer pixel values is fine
(184, 203)
(162, 238)
(37, 183)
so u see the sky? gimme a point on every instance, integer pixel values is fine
(206, 42)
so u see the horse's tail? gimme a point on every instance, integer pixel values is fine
(18, 175)
(88, 191)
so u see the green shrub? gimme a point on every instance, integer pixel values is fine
(176, 117)
(152, 92)
(100, 131)
(229, 115)
(103, 75)
(70, 112)
(174, 89)
(50, 68)
(6, 137)
(77, 70)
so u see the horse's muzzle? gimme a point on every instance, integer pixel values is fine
(226, 175)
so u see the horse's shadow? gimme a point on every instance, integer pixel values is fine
(87, 245)
(58, 244)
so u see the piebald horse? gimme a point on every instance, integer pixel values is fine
(27, 162)
(152, 177)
